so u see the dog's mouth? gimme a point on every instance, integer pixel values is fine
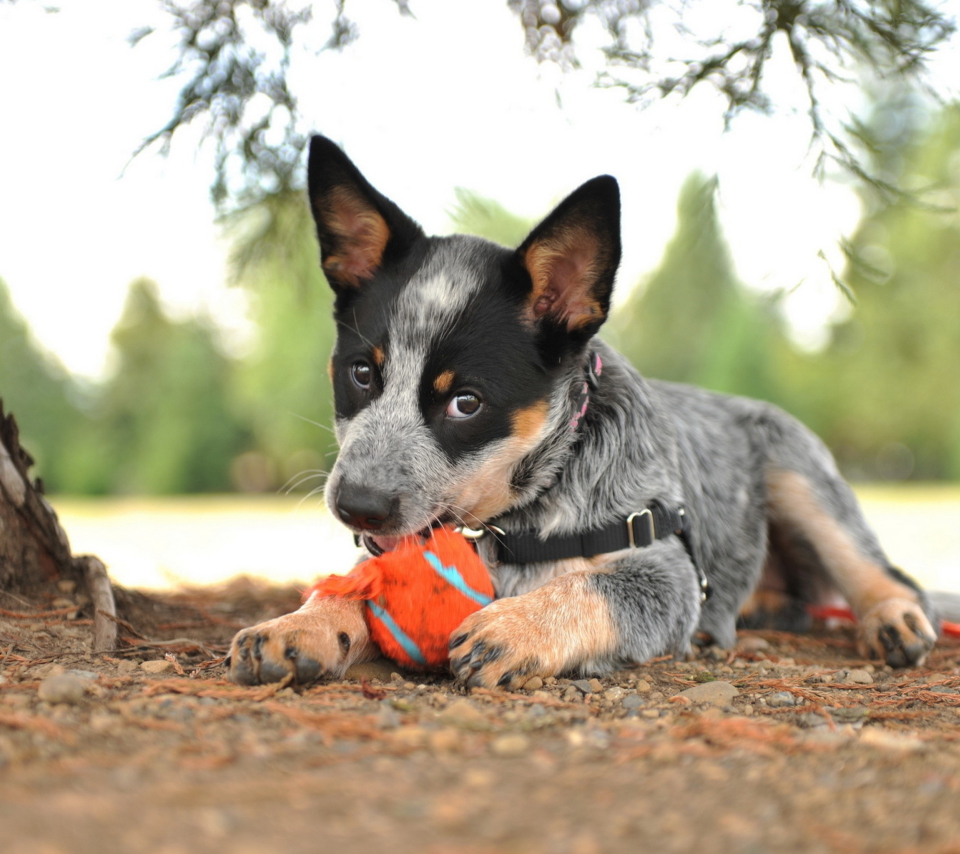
(379, 544)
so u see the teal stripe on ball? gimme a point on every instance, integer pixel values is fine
(401, 637)
(452, 576)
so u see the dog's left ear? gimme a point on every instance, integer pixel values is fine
(572, 258)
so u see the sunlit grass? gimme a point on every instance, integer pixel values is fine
(159, 543)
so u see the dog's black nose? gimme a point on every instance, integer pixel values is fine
(365, 508)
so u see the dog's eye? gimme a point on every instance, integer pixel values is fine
(463, 405)
(362, 375)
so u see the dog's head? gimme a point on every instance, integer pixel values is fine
(457, 361)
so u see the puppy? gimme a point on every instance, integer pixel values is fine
(620, 518)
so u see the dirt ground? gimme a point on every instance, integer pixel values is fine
(788, 743)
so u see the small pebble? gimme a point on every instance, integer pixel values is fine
(632, 701)
(410, 736)
(511, 744)
(858, 677)
(642, 686)
(892, 742)
(583, 686)
(614, 693)
(781, 699)
(534, 683)
(752, 644)
(716, 693)
(465, 715)
(387, 717)
(159, 665)
(62, 688)
(596, 686)
(447, 740)
(126, 666)
(380, 669)
(88, 675)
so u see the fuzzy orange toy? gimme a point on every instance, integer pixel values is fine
(417, 594)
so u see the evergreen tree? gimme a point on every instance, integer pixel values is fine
(37, 389)
(886, 385)
(692, 321)
(475, 214)
(165, 424)
(282, 387)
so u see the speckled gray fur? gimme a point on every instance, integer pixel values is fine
(639, 441)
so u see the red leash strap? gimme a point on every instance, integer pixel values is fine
(827, 612)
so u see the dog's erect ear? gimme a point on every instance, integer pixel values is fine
(572, 258)
(358, 228)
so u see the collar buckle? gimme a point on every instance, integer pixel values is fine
(632, 538)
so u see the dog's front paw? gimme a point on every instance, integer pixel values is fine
(898, 631)
(557, 628)
(323, 638)
(495, 646)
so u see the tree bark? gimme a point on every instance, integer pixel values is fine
(34, 549)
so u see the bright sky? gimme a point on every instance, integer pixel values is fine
(423, 106)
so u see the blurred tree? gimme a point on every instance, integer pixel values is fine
(282, 387)
(475, 214)
(38, 389)
(884, 393)
(165, 423)
(234, 57)
(692, 321)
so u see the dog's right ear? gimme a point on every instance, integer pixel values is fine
(358, 228)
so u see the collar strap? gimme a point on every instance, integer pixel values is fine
(638, 530)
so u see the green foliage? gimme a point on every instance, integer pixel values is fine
(37, 390)
(882, 394)
(475, 214)
(177, 415)
(282, 388)
(164, 420)
(887, 392)
(692, 321)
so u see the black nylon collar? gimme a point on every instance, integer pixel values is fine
(638, 530)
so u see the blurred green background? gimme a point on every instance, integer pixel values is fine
(173, 459)
(178, 413)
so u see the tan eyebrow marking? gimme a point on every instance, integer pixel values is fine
(444, 382)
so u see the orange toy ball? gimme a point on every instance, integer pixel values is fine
(417, 594)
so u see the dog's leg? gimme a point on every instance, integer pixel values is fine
(323, 638)
(821, 510)
(629, 609)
